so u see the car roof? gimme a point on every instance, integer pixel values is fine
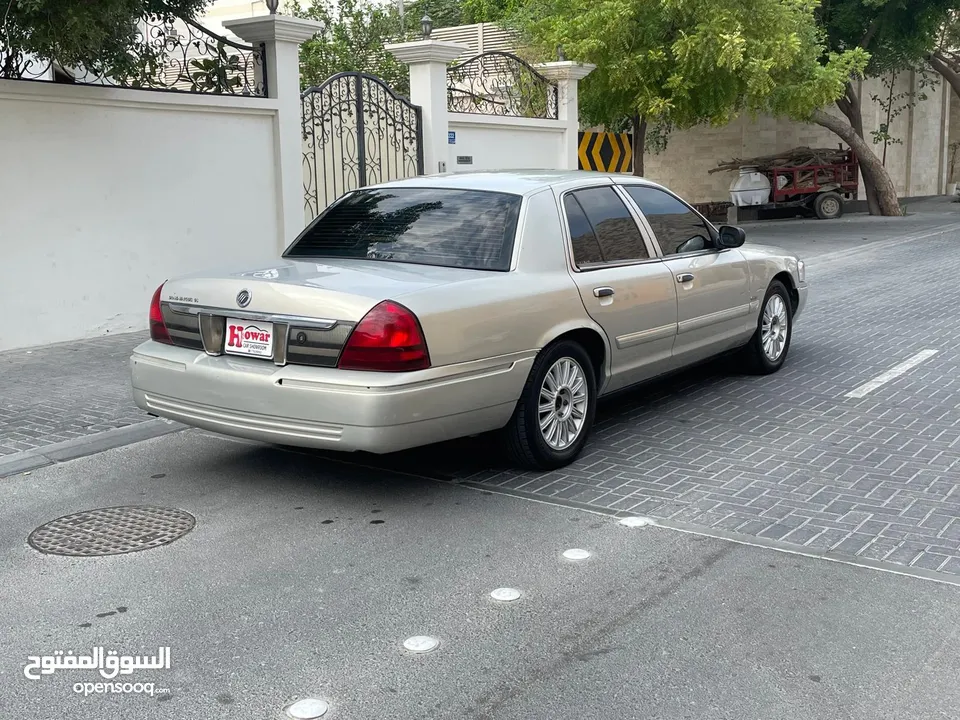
(517, 182)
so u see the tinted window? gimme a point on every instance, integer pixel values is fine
(615, 228)
(677, 227)
(586, 249)
(453, 228)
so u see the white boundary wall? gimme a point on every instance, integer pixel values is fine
(106, 192)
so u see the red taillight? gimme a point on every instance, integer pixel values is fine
(388, 339)
(158, 331)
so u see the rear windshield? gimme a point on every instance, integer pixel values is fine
(430, 226)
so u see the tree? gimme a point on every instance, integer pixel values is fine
(355, 31)
(352, 39)
(99, 36)
(678, 63)
(944, 56)
(449, 13)
(896, 34)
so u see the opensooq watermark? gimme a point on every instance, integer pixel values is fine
(109, 663)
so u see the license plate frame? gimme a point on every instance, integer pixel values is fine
(248, 338)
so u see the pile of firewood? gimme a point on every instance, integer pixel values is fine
(798, 157)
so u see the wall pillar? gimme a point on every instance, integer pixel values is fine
(282, 36)
(567, 75)
(428, 61)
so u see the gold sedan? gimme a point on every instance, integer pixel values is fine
(438, 307)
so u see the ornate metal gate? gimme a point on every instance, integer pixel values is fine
(356, 132)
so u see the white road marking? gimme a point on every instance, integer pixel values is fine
(891, 374)
(857, 251)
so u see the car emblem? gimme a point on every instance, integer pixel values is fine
(243, 298)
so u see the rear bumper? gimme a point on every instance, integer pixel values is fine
(324, 407)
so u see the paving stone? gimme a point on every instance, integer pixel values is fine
(57, 392)
(785, 457)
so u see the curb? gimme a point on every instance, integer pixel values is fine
(88, 445)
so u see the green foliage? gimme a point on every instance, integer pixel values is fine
(355, 31)
(222, 74)
(95, 35)
(892, 104)
(449, 13)
(896, 33)
(352, 39)
(680, 63)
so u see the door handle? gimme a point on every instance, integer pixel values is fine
(685, 277)
(602, 292)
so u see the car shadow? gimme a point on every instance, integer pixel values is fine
(461, 459)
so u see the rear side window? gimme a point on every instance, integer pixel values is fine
(586, 248)
(429, 226)
(614, 229)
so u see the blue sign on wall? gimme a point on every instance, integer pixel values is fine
(451, 138)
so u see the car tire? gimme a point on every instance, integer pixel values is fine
(828, 206)
(775, 321)
(533, 448)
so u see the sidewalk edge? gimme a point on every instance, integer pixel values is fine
(87, 445)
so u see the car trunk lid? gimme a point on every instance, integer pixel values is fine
(291, 312)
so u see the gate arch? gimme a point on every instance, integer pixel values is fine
(356, 131)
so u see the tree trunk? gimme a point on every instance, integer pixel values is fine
(639, 143)
(873, 170)
(849, 105)
(942, 65)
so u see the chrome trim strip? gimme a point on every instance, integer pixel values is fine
(607, 266)
(322, 323)
(281, 338)
(212, 330)
(190, 413)
(713, 318)
(160, 362)
(645, 336)
(300, 384)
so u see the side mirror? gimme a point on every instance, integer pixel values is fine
(731, 236)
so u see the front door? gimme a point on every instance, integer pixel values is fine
(625, 288)
(714, 309)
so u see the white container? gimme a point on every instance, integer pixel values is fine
(750, 188)
(951, 188)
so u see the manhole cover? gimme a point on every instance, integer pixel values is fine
(111, 531)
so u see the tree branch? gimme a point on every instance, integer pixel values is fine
(871, 32)
(946, 68)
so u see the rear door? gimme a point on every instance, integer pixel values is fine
(625, 288)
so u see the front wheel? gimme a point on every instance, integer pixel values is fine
(767, 349)
(554, 415)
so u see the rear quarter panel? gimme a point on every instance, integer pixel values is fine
(507, 312)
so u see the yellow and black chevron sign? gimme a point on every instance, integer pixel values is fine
(605, 152)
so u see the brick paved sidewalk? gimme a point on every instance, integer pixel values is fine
(56, 393)
(68, 391)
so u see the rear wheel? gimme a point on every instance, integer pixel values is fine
(828, 206)
(554, 415)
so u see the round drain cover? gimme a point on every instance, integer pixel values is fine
(421, 644)
(636, 522)
(308, 709)
(111, 531)
(505, 594)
